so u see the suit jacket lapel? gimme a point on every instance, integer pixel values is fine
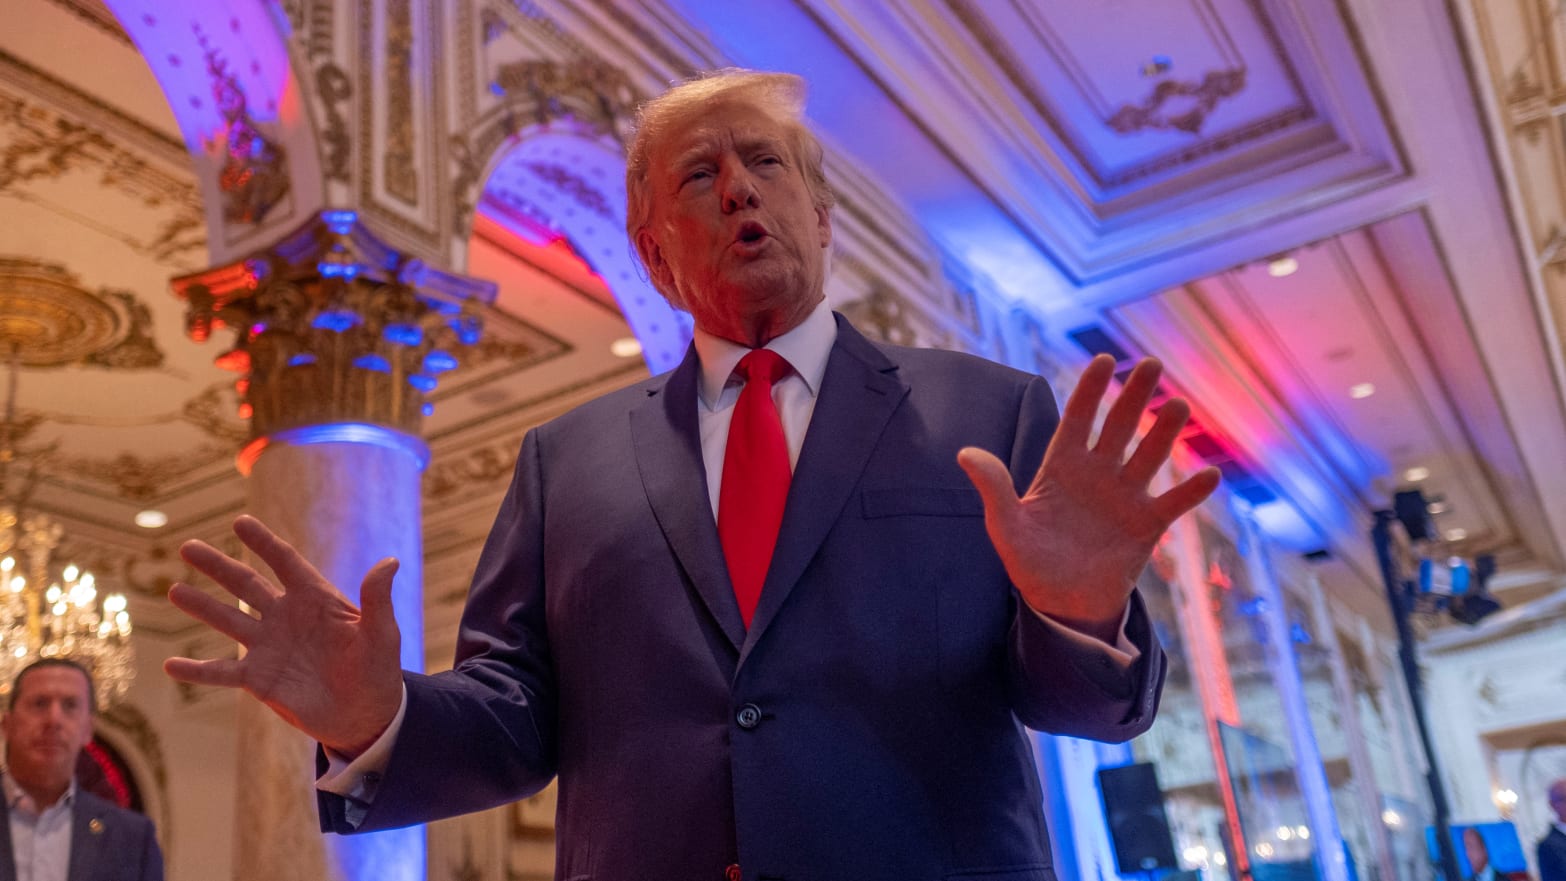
(84, 851)
(859, 393)
(668, 454)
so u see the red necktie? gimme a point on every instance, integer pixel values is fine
(755, 479)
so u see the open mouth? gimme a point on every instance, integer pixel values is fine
(750, 233)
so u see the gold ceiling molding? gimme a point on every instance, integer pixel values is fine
(38, 143)
(53, 320)
(144, 478)
(882, 315)
(1192, 102)
(216, 412)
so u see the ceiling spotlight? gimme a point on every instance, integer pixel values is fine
(150, 519)
(1416, 474)
(626, 347)
(1278, 267)
(1361, 390)
(1437, 508)
(1456, 534)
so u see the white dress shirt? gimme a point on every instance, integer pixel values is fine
(40, 840)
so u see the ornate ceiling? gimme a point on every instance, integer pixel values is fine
(1122, 171)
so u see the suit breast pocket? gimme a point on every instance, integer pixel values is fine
(927, 501)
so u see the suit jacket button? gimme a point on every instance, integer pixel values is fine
(732, 872)
(748, 717)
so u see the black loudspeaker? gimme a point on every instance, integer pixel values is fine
(1138, 826)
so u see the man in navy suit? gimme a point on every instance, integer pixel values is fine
(839, 692)
(55, 831)
(1552, 847)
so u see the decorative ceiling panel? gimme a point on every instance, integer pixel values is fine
(1139, 88)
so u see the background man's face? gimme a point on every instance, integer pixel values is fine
(734, 230)
(49, 722)
(1558, 800)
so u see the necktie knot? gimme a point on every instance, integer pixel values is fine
(763, 365)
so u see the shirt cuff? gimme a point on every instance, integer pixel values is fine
(357, 780)
(1122, 651)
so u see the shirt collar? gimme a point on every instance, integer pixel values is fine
(17, 798)
(806, 348)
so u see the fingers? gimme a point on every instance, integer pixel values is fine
(220, 616)
(1154, 450)
(375, 602)
(1076, 419)
(287, 564)
(226, 672)
(235, 577)
(990, 477)
(1126, 413)
(1186, 495)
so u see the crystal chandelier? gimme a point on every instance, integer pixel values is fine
(50, 612)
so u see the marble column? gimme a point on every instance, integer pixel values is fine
(338, 338)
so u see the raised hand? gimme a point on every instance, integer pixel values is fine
(1076, 540)
(326, 667)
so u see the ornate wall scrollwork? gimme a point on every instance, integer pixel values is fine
(334, 87)
(536, 92)
(400, 172)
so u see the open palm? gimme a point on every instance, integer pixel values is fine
(323, 665)
(1075, 541)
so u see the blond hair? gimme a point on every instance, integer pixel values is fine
(779, 95)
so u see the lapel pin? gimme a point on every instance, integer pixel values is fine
(95, 826)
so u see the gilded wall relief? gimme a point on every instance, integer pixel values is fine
(400, 174)
(882, 315)
(45, 310)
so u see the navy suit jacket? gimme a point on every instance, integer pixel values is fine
(868, 725)
(1552, 856)
(108, 843)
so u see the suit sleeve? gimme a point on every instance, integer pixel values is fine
(1072, 686)
(498, 702)
(1552, 860)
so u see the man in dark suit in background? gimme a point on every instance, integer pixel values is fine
(54, 830)
(781, 613)
(1552, 847)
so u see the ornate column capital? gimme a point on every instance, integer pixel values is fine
(332, 325)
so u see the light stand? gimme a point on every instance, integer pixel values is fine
(1399, 597)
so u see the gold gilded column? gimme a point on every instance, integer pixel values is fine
(337, 341)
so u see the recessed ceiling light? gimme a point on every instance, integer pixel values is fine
(150, 519)
(1416, 474)
(626, 347)
(1278, 267)
(1456, 534)
(1361, 390)
(1436, 507)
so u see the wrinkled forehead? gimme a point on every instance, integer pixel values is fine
(711, 127)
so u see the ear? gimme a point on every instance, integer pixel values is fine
(824, 225)
(658, 269)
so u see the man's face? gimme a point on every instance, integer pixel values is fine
(734, 233)
(49, 722)
(1558, 800)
